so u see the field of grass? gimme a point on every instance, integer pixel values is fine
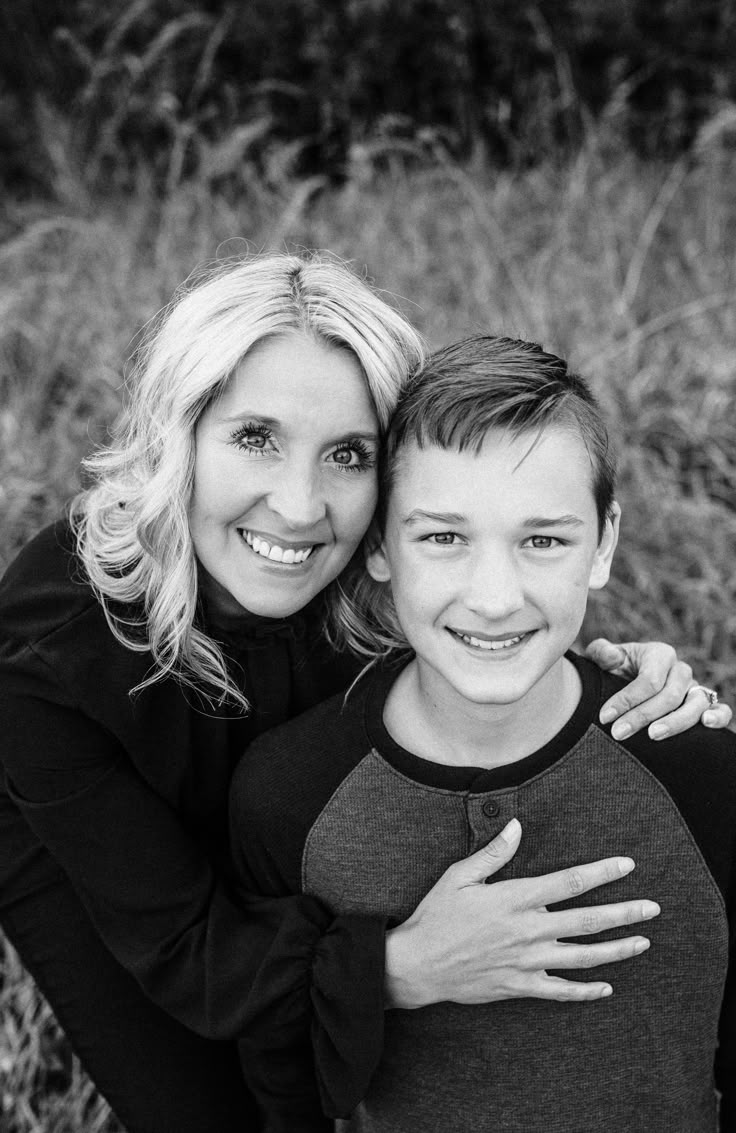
(627, 269)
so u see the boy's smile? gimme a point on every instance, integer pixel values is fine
(490, 556)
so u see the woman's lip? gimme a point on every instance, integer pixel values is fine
(292, 557)
(275, 541)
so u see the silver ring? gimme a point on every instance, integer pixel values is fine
(711, 694)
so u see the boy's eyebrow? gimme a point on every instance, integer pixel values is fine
(418, 515)
(553, 521)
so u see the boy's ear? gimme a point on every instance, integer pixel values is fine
(376, 562)
(601, 569)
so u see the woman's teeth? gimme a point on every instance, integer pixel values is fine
(491, 646)
(275, 553)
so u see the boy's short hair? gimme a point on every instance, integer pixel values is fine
(461, 393)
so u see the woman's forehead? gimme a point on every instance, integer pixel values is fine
(295, 377)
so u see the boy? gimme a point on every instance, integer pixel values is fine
(496, 517)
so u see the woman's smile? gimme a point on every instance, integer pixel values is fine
(277, 551)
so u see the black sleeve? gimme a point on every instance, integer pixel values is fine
(277, 789)
(268, 968)
(725, 1063)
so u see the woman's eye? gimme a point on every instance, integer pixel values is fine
(345, 456)
(353, 457)
(443, 538)
(252, 438)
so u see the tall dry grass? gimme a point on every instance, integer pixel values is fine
(627, 269)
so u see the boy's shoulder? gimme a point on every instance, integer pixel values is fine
(697, 770)
(339, 716)
(311, 753)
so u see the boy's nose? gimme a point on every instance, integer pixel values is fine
(493, 588)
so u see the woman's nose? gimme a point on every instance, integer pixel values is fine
(297, 496)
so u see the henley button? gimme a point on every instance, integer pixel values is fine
(490, 809)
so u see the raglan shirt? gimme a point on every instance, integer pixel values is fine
(127, 795)
(329, 805)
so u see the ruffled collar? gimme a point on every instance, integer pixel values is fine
(226, 620)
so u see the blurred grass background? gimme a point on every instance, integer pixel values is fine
(585, 226)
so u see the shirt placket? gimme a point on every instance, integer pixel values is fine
(487, 814)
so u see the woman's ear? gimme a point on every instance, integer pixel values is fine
(601, 568)
(376, 562)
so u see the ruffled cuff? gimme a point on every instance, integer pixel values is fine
(347, 998)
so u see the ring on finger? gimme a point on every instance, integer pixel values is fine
(711, 694)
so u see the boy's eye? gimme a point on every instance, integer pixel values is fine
(543, 542)
(443, 538)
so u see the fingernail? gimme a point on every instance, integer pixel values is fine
(607, 715)
(649, 909)
(620, 731)
(641, 945)
(625, 865)
(512, 828)
(658, 732)
(606, 991)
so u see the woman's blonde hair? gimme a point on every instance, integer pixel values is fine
(131, 525)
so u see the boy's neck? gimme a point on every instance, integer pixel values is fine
(437, 724)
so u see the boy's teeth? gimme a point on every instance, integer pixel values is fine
(275, 553)
(492, 646)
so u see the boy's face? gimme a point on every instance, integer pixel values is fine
(490, 558)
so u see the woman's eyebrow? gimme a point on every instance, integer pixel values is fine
(371, 435)
(249, 415)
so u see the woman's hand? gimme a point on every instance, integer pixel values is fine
(475, 943)
(662, 692)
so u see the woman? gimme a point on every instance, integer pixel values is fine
(146, 642)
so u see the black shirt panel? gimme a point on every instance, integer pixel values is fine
(128, 794)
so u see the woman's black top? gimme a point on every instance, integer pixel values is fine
(129, 795)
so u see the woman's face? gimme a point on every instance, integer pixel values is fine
(284, 476)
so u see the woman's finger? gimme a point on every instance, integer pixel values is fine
(490, 858)
(599, 918)
(566, 991)
(574, 956)
(609, 657)
(696, 707)
(719, 716)
(644, 700)
(651, 665)
(536, 892)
